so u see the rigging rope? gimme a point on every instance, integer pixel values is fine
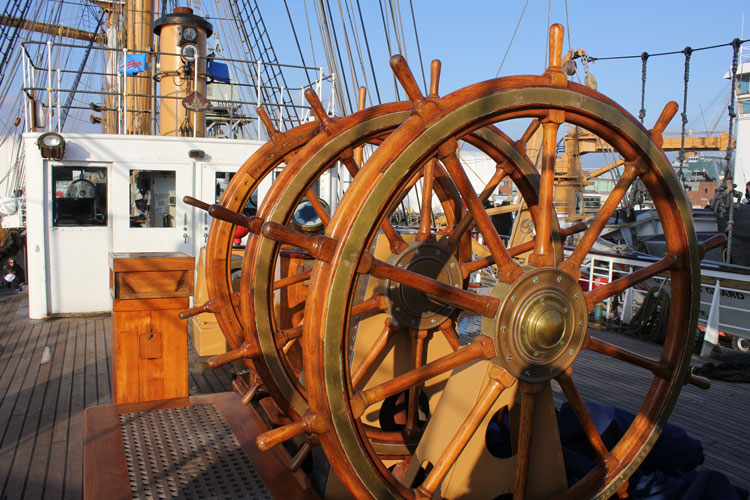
(388, 42)
(688, 52)
(296, 40)
(369, 54)
(355, 33)
(638, 191)
(670, 53)
(419, 50)
(518, 24)
(341, 61)
(728, 174)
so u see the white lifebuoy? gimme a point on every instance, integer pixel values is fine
(8, 205)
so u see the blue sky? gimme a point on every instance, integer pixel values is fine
(471, 37)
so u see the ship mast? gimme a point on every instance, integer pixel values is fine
(139, 21)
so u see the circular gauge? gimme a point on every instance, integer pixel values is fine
(189, 34)
(189, 52)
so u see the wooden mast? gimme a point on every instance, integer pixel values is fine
(139, 19)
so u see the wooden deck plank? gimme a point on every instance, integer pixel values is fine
(35, 386)
(55, 484)
(74, 475)
(37, 477)
(16, 405)
(103, 382)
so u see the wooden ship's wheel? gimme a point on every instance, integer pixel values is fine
(267, 344)
(533, 321)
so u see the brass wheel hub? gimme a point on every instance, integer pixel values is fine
(540, 326)
(411, 307)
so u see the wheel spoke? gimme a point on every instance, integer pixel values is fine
(377, 302)
(467, 221)
(475, 265)
(292, 280)
(412, 409)
(484, 305)
(499, 381)
(450, 334)
(523, 452)
(508, 270)
(320, 210)
(481, 348)
(543, 252)
(373, 354)
(661, 369)
(425, 220)
(573, 264)
(666, 263)
(395, 240)
(582, 414)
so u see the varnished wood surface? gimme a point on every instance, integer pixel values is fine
(41, 406)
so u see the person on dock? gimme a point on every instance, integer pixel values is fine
(12, 275)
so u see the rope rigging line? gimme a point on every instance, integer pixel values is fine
(688, 52)
(325, 36)
(518, 24)
(369, 54)
(728, 175)
(309, 33)
(388, 42)
(644, 61)
(638, 191)
(341, 61)
(352, 68)
(396, 24)
(296, 40)
(670, 53)
(355, 34)
(419, 50)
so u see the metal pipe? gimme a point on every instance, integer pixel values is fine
(57, 98)
(124, 130)
(49, 85)
(26, 97)
(257, 97)
(195, 89)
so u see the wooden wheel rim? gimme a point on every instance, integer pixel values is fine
(489, 102)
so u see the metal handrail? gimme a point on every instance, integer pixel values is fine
(44, 84)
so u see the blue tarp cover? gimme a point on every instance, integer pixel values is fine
(668, 472)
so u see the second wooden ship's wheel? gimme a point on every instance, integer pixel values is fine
(533, 321)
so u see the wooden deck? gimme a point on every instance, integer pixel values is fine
(41, 405)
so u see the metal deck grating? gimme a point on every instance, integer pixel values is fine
(187, 452)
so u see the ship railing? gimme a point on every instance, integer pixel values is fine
(730, 284)
(53, 89)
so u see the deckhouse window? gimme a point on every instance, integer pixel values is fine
(152, 198)
(79, 196)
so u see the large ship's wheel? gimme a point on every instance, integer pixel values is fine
(533, 322)
(267, 343)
